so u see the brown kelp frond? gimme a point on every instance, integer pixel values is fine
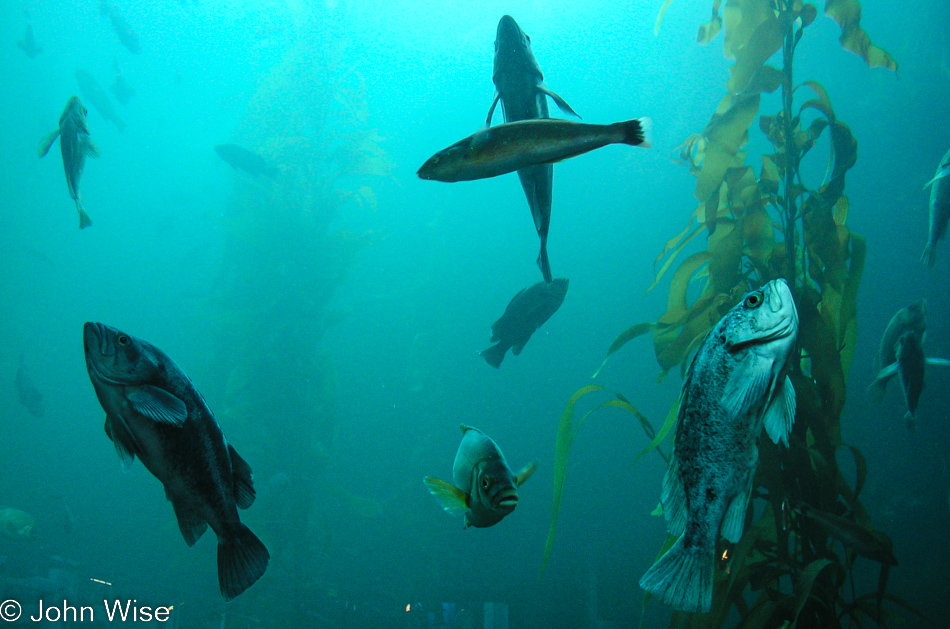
(847, 13)
(708, 31)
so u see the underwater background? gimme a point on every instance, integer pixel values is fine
(332, 316)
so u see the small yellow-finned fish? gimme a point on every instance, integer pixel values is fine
(515, 145)
(485, 489)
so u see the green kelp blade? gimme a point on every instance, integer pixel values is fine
(668, 424)
(632, 333)
(679, 247)
(805, 583)
(847, 13)
(861, 469)
(565, 437)
(766, 40)
(659, 17)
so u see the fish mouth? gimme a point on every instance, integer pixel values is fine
(96, 341)
(507, 500)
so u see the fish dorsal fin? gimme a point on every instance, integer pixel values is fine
(943, 172)
(453, 500)
(561, 103)
(491, 110)
(750, 380)
(780, 413)
(123, 441)
(244, 493)
(157, 404)
(47, 142)
(673, 499)
(525, 473)
(943, 362)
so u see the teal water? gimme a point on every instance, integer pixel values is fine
(332, 316)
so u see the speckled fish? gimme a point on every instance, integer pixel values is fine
(154, 412)
(910, 365)
(736, 383)
(939, 209)
(76, 145)
(913, 318)
(515, 145)
(485, 489)
(526, 312)
(523, 96)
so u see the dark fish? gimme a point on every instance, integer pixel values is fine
(736, 383)
(26, 392)
(122, 90)
(526, 312)
(913, 318)
(242, 159)
(76, 145)
(866, 543)
(910, 364)
(520, 88)
(485, 489)
(515, 145)
(153, 411)
(93, 92)
(120, 25)
(939, 209)
(28, 44)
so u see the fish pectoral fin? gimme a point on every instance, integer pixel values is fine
(123, 441)
(940, 175)
(190, 522)
(525, 473)
(453, 500)
(491, 110)
(780, 413)
(244, 493)
(89, 147)
(47, 142)
(882, 377)
(561, 103)
(943, 362)
(157, 404)
(673, 499)
(750, 380)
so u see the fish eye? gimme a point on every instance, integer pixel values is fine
(486, 482)
(123, 340)
(754, 300)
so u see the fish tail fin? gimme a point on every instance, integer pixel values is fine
(929, 256)
(682, 578)
(637, 132)
(242, 559)
(84, 220)
(494, 355)
(543, 263)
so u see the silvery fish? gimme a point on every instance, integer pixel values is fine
(910, 365)
(939, 209)
(485, 489)
(515, 145)
(526, 312)
(523, 96)
(154, 412)
(736, 383)
(76, 145)
(913, 318)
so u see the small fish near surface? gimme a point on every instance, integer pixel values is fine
(913, 318)
(28, 43)
(515, 145)
(485, 489)
(864, 542)
(240, 158)
(939, 209)
(26, 392)
(520, 88)
(526, 312)
(93, 92)
(16, 524)
(154, 412)
(736, 383)
(76, 145)
(120, 25)
(910, 365)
